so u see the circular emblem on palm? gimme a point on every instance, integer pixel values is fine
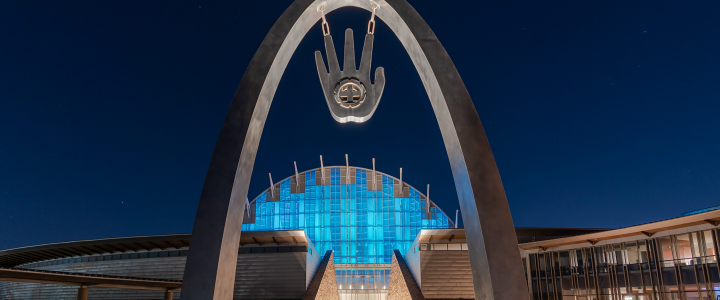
(350, 93)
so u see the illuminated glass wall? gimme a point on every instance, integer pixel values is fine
(361, 221)
(361, 226)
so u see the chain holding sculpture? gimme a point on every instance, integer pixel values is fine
(349, 94)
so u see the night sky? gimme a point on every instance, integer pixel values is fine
(601, 114)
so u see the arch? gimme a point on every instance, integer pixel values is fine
(494, 255)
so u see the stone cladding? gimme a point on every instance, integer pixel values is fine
(402, 283)
(324, 284)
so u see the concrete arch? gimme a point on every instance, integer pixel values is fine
(494, 255)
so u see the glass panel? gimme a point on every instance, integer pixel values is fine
(600, 255)
(617, 255)
(688, 277)
(533, 264)
(684, 250)
(564, 258)
(631, 253)
(669, 279)
(362, 226)
(710, 254)
(643, 252)
(579, 257)
(440, 246)
(666, 253)
(695, 244)
(714, 276)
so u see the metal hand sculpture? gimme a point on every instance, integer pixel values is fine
(349, 94)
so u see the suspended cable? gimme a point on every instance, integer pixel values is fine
(325, 26)
(371, 24)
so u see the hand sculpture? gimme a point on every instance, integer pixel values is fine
(349, 93)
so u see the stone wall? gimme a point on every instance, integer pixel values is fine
(402, 283)
(324, 284)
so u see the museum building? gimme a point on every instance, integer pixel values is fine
(363, 226)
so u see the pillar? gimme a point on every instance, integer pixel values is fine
(168, 295)
(82, 293)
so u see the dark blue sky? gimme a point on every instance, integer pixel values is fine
(600, 114)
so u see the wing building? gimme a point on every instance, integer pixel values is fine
(352, 233)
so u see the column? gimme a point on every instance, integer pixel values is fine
(82, 293)
(168, 295)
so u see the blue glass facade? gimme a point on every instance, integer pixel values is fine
(361, 225)
(699, 211)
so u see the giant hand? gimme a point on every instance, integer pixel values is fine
(349, 94)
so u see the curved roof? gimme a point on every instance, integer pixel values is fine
(709, 218)
(327, 170)
(24, 255)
